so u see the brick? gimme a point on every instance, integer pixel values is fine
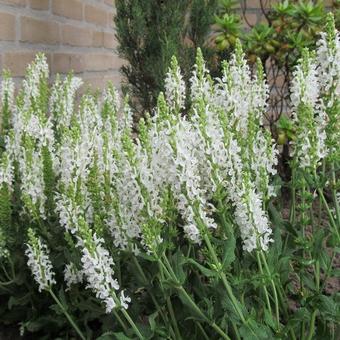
(102, 62)
(13, 2)
(39, 31)
(110, 2)
(17, 62)
(110, 18)
(98, 39)
(7, 26)
(40, 4)
(67, 62)
(98, 62)
(110, 40)
(76, 36)
(95, 83)
(72, 9)
(98, 81)
(95, 15)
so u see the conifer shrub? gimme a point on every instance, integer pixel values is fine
(149, 33)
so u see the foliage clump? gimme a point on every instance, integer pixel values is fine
(181, 230)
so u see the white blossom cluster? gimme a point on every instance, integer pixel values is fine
(221, 143)
(175, 87)
(97, 268)
(7, 89)
(308, 114)
(72, 275)
(328, 58)
(39, 262)
(116, 191)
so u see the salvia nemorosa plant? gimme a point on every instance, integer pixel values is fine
(178, 231)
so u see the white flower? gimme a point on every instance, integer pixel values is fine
(62, 99)
(39, 263)
(98, 270)
(124, 300)
(253, 222)
(200, 84)
(32, 181)
(7, 89)
(36, 72)
(6, 170)
(305, 84)
(309, 115)
(72, 275)
(175, 87)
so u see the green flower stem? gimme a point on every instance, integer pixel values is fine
(303, 203)
(336, 203)
(224, 279)
(205, 335)
(276, 300)
(173, 318)
(264, 287)
(193, 305)
(312, 325)
(329, 268)
(69, 318)
(127, 317)
(320, 201)
(202, 315)
(153, 298)
(317, 275)
(132, 324)
(333, 224)
(120, 321)
(237, 334)
(293, 198)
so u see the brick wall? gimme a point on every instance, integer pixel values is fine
(75, 35)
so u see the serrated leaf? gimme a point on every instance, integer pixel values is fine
(205, 271)
(177, 262)
(120, 336)
(229, 252)
(268, 318)
(328, 306)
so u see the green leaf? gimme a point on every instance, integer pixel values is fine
(195, 315)
(177, 262)
(205, 271)
(118, 336)
(327, 306)
(152, 321)
(18, 301)
(229, 252)
(107, 336)
(268, 318)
